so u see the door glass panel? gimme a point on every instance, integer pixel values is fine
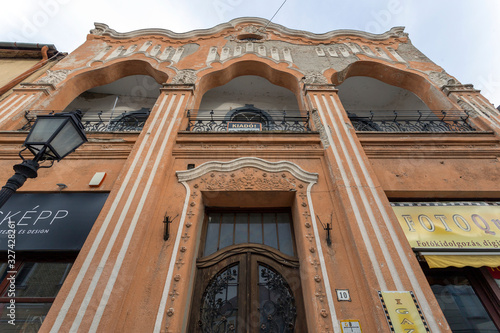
(285, 233)
(226, 230)
(219, 307)
(256, 228)
(460, 304)
(241, 228)
(212, 238)
(270, 233)
(276, 302)
(273, 229)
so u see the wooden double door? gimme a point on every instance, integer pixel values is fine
(247, 288)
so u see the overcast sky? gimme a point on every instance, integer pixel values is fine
(462, 36)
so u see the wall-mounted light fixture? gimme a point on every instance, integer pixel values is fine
(166, 225)
(328, 227)
(51, 138)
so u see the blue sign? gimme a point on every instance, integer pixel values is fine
(48, 221)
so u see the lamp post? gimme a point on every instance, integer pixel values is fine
(51, 138)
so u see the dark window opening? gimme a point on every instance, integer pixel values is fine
(38, 279)
(464, 296)
(273, 229)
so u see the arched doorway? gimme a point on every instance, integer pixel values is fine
(248, 274)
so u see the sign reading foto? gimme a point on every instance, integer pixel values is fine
(450, 225)
(243, 126)
(403, 312)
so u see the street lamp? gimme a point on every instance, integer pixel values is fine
(51, 138)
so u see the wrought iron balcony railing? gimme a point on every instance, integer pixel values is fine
(410, 121)
(268, 120)
(101, 121)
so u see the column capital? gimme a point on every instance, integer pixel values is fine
(26, 87)
(178, 87)
(319, 88)
(459, 88)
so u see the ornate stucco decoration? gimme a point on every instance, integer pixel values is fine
(102, 29)
(249, 162)
(441, 79)
(467, 107)
(252, 31)
(54, 77)
(248, 179)
(185, 76)
(313, 77)
(99, 29)
(321, 129)
(459, 88)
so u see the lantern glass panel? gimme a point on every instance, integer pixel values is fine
(43, 129)
(67, 140)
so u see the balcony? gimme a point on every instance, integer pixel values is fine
(247, 119)
(101, 121)
(410, 121)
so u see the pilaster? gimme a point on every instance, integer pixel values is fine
(98, 283)
(11, 108)
(383, 257)
(476, 105)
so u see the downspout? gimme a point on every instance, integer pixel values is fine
(11, 84)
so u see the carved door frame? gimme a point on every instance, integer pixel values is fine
(246, 175)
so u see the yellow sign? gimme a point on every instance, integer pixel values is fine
(402, 312)
(451, 227)
(350, 326)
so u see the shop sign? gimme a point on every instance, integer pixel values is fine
(350, 326)
(495, 272)
(243, 126)
(450, 226)
(402, 312)
(48, 221)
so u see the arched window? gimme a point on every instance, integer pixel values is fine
(248, 278)
(250, 114)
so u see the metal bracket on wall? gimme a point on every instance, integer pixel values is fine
(328, 227)
(166, 223)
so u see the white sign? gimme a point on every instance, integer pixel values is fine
(343, 295)
(350, 326)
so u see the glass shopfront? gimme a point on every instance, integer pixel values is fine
(40, 237)
(458, 244)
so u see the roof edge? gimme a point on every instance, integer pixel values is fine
(102, 29)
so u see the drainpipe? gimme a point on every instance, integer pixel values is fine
(45, 58)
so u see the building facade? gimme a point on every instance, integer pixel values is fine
(255, 178)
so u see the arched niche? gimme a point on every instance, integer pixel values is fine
(92, 78)
(269, 75)
(249, 89)
(361, 93)
(124, 104)
(415, 83)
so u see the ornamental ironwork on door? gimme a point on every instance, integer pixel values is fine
(219, 310)
(276, 303)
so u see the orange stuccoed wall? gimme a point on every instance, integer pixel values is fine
(127, 278)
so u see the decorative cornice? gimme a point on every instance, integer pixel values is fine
(102, 29)
(459, 88)
(245, 162)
